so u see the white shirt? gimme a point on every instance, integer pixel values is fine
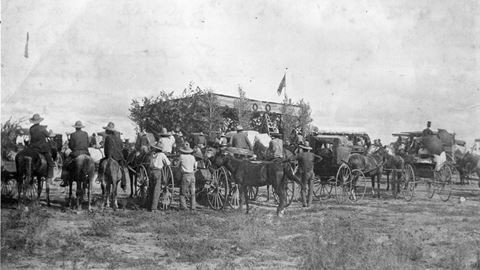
(159, 160)
(167, 143)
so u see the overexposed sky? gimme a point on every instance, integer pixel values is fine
(387, 66)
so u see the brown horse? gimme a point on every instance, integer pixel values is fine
(393, 164)
(370, 164)
(109, 184)
(81, 171)
(247, 173)
(31, 166)
(467, 164)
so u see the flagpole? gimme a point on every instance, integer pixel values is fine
(285, 93)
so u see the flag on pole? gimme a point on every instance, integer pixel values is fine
(282, 85)
(26, 48)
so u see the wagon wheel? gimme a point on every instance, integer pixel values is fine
(322, 188)
(358, 186)
(217, 189)
(9, 188)
(342, 182)
(252, 193)
(290, 191)
(234, 196)
(408, 183)
(142, 183)
(168, 186)
(30, 190)
(444, 182)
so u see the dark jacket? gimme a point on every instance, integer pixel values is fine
(78, 143)
(38, 138)
(113, 147)
(240, 140)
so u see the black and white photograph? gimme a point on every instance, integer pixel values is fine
(162, 134)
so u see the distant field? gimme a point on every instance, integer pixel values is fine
(372, 234)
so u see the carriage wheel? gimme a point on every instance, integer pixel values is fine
(342, 183)
(217, 189)
(9, 188)
(408, 183)
(444, 183)
(289, 191)
(142, 183)
(168, 186)
(358, 186)
(234, 196)
(252, 193)
(322, 188)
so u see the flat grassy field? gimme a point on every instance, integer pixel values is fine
(372, 234)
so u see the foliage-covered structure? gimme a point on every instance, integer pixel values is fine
(198, 110)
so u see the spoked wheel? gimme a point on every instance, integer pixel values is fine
(234, 196)
(142, 183)
(358, 186)
(252, 193)
(9, 188)
(444, 182)
(342, 184)
(290, 191)
(408, 183)
(217, 189)
(168, 186)
(322, 188)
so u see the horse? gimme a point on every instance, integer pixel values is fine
(467, 164)
(393, 164)
(82, 171)
(370, 164)
(246, 173)
(113, 175)
(30, 166)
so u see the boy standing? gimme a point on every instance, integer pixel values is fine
(188, 166)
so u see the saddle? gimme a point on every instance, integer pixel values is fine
(39, 162)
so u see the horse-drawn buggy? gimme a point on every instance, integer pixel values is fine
(333, 174)
(428, 159)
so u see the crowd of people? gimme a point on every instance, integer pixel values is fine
(164, 144)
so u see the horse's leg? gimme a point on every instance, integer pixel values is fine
(47, 190)
(280, 189)
(268, 193)
(79, 193)
(245, 196)
(89, 192)
(104, 191)
(240, 196)
(388, 180)
(373, 184)
(107, 193)
(114, 196)
(132, 181)
(378, 174)
(394, 184)
(70, 191)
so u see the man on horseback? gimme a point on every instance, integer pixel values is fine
(275, 147)
(39, 142)
(113, 150)
(240, 139)
(78, 144)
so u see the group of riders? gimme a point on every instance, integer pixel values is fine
(161, 149)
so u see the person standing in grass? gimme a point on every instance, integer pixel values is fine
(188, 166)
(305, 162)
(158, 161)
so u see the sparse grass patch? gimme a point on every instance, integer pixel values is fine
(101, 227)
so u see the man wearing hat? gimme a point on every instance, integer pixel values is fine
(240, 139)
(305, 163)
(39, 142)
(275, 147)
(188, 166)
(167, 141)
(427, 131)
(113, 149)
(157, 162)
(78, 144)
(200, 141)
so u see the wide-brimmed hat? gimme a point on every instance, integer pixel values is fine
(78, 124)
(110, 126)
(51, 134)
(158, 146)
(164, 133)
(306, 146)
(36, 119)
(186, 148)
(239, 128)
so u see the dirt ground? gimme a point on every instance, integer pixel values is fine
(374, 233)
